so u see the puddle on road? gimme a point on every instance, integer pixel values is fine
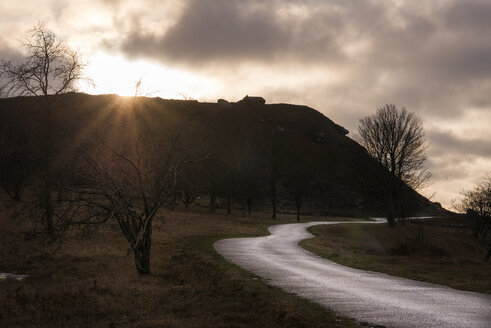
(6, 275)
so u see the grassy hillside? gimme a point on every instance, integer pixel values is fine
(242, 137)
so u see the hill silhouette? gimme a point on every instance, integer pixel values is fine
(305, 151)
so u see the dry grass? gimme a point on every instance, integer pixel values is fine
(90, 282)
(437, 254)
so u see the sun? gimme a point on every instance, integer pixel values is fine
(115, 74)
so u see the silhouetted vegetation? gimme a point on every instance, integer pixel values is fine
(121, 159)
(49, 68)
(476, 203)
(396, 139)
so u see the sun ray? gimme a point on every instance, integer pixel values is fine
(115, 74)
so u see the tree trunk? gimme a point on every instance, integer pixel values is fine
(391, 215)
(142, 250)
(186, 199)
(249, 206)
(60, 193)
(273, 197)
(142, 259)
(213, 201)
(48, 203)
(48, 213)
(391, 220)
(173, 202)
(229, 205)
(298, 205)
(244, 208)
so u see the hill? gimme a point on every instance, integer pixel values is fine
(240, 151)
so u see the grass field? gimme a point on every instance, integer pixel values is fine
(426, 252)
(87, 280)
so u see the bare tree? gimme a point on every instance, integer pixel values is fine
(276, 154)
(247, 176)
(17, 158)
(16, 165)
(228, 184)
(396, 139)
(299, 181)
(129, 178)
(189, 183)
(50, 68)
(477, 204)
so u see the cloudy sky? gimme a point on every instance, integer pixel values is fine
(344, 58)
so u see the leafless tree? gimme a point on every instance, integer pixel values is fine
(50, 68)
(228, 184)
(276, 155)
(16, 165)
(246, 175)
(477, 204)
(189, 183)
(299, 181)
(396, 139)
(129, 179)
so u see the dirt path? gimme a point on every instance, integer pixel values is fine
(366, 296)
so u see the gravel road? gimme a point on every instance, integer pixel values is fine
(377, 298)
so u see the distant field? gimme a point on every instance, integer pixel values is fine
(433, 253)
(88, 281)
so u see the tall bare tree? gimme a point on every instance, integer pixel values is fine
(125, 182)
(276, 154)
(396, 139)
(50, 68)
(129, 177)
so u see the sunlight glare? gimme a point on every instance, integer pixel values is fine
(114, 74)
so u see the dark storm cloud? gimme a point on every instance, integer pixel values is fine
(233, 30)
(469, 16)
(9, 54)
(445, 42)
(446, 142)
(211, 29)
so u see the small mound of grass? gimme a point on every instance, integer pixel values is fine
(433, 252)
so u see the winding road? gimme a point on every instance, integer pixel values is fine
(372, 297)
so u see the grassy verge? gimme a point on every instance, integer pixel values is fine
(88, 281)
(438, 254)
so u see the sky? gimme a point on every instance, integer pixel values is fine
(345, 58)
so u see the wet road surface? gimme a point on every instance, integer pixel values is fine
(372, 297)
